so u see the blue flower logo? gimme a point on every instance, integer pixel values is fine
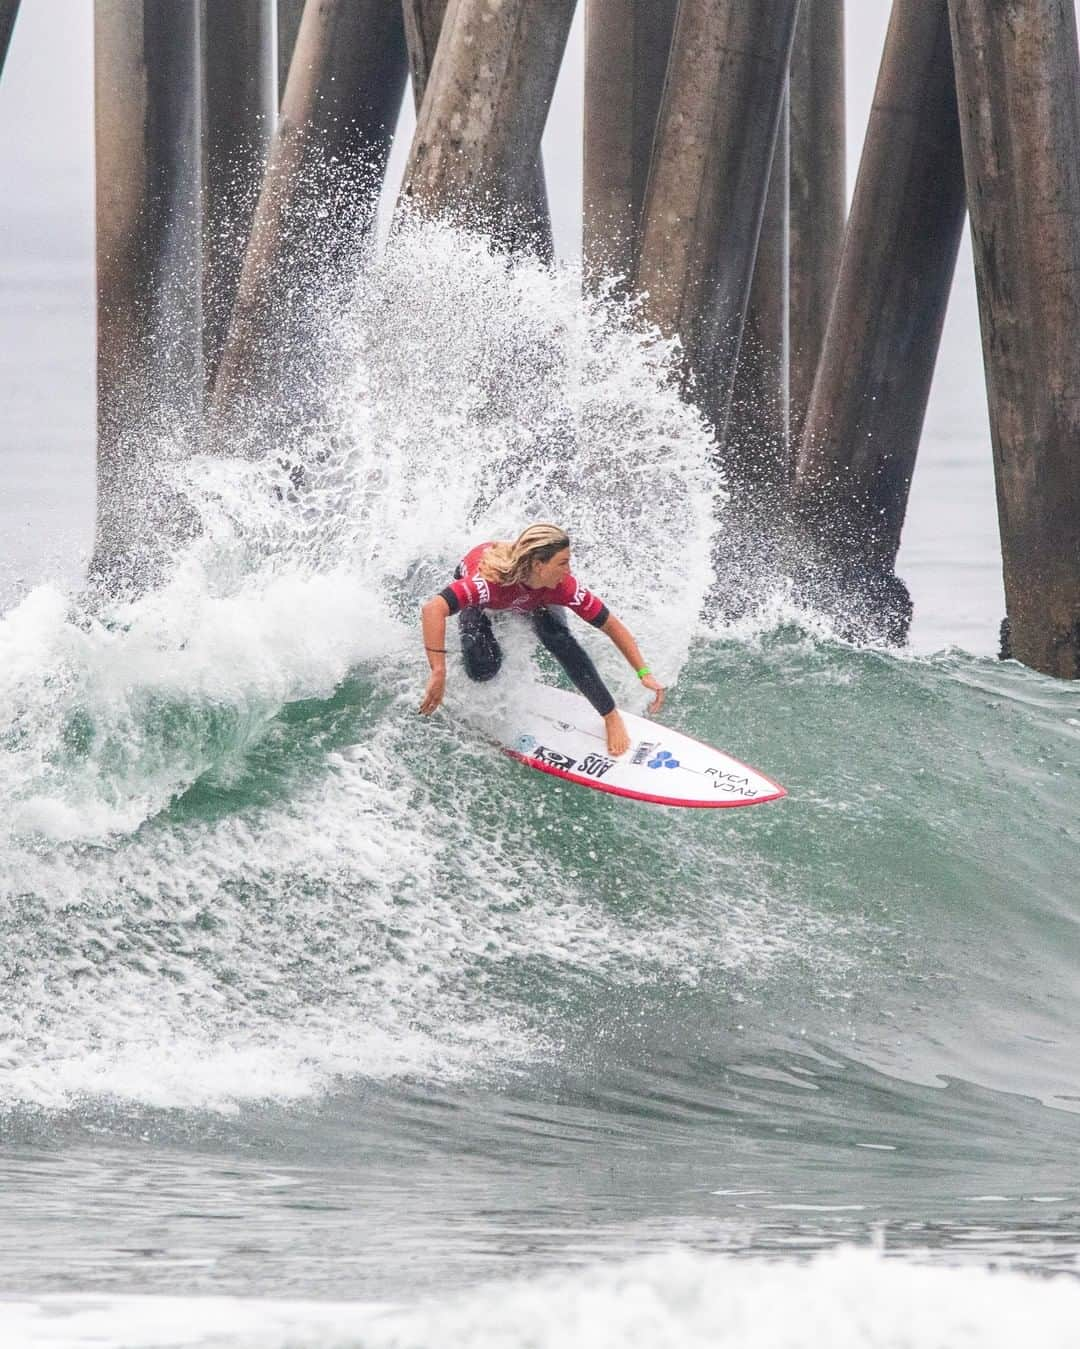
(527, 743)
(664, 759)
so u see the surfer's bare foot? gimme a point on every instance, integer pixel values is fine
(618, 742)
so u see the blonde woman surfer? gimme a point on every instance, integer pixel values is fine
(529, 576)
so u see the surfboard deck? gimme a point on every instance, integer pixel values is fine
(558, 732)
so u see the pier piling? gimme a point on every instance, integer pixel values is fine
(478, 133)
(149, 352)
(756, 455)
(818, 191)
(239, 112)
(865, 418)
(1018, 83)
(289, 14)
(627, 44)
(423, 26)
(708, 181)
(324, 171)
(9, 11)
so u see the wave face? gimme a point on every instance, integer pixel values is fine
(276, 947)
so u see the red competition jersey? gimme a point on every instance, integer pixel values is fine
(471, 590)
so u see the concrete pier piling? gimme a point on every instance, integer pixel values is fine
(865, 418)
(147, 113)
(1018, 83)
(818, 188)
(627, 44)
(289, 14)
(324, 171)
(756, 455)
(478, 133)
(239, 112)
(710, 170)
(9, 11)
(423, 26)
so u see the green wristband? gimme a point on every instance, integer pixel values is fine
(643, 672)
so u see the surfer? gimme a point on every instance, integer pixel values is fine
(529, 576)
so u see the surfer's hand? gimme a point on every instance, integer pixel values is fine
(433, 695)
(651, 682)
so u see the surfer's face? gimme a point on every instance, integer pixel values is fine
(547, 575)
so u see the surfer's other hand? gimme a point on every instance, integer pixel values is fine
(651, 682)
(433, 694)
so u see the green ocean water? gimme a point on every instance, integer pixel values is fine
(852, 1011)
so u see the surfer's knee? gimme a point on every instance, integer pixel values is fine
(482, 656)
(481, 672)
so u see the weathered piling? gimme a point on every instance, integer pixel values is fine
(818, 191)
(239, 112)
(149, 351)
(1019, 94)
(9, 10)
(289, 14)
(707, 185)
(627, 44)
(323, 174)
(865, 418)
(478, 133)
(423, 26)
(756, 455)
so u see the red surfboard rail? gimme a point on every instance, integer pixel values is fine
(649, 797)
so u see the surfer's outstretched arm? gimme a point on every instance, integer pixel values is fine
(433, 618)
(623, 638)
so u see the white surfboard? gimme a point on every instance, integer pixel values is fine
(558, 732)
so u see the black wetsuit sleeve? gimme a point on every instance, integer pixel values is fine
(452, 601)
(601, 618)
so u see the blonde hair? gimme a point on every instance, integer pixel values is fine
(511, 563)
